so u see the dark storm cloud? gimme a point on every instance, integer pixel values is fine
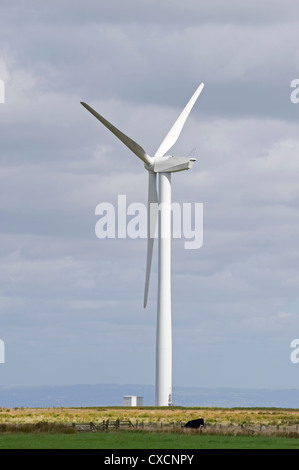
(116, 52)
(167, 12)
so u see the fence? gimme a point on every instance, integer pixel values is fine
(106, 424)
(209, 428)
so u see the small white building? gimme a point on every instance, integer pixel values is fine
(132, 400)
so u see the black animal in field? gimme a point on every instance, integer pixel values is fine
(195, 424)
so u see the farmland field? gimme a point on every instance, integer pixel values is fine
(148, 428)
(142, 440)
(167, 415)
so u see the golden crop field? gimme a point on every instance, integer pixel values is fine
(147, 415)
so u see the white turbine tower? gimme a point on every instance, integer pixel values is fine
(164, 165)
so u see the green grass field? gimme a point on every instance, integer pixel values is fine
(142, 440)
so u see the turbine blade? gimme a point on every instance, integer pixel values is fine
(175, 131)
(131, 144)
(152, 213)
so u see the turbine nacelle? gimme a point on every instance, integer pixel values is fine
(170, 164)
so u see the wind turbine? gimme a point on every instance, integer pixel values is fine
(164, 165)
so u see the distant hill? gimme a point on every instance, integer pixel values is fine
(112, 395)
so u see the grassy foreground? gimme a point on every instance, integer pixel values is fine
(142, 440)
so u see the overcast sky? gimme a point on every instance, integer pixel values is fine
(71, 305)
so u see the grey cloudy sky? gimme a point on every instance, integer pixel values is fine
(71, 305)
